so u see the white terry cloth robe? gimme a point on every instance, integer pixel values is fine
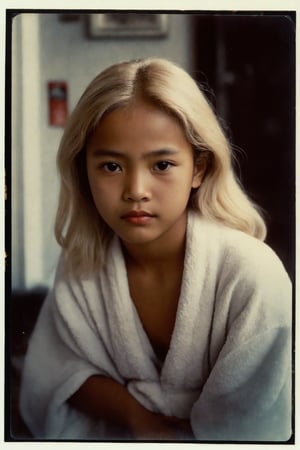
(228, 368)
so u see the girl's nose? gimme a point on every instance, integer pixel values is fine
(136, 188)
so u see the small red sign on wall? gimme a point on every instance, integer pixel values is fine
(58, 103)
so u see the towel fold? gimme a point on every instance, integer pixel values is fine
(228, 365)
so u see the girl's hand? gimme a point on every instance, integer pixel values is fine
(154, 426)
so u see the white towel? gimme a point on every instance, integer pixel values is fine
(228, 365)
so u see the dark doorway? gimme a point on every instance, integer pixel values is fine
(248, 61)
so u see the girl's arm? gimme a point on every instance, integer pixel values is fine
(105, 399)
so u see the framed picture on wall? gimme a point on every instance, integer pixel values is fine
(127, 25)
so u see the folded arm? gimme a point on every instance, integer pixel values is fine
(105, 399)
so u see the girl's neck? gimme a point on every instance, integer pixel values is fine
(155, 256)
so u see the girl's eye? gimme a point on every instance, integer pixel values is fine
(111, 167)
(162, 166)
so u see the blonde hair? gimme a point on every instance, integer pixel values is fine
(79, 228)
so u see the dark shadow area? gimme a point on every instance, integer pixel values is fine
(25, 307)
(248, 62)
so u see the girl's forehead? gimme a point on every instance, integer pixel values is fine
(138, 114)
(140, 125)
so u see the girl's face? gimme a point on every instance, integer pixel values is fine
(141, 171)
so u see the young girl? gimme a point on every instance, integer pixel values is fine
(169, 318)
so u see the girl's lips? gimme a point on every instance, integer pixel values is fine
(137, 214)
(138, 217)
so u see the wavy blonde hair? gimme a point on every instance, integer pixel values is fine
(79, 228)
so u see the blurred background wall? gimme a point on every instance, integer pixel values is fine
(247, 65)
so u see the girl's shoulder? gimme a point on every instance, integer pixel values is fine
(236, 252)
(248, 274)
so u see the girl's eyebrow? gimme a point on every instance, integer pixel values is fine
(117, 154)
(104, 152)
